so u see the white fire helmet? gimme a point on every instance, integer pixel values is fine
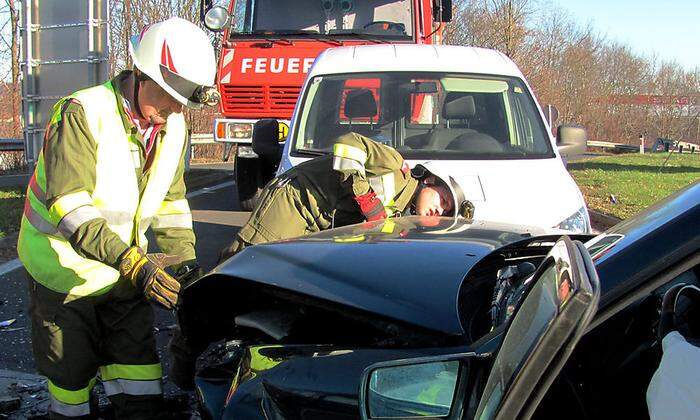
(462, 208)
(179, 57)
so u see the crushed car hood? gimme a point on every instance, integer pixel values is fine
(347, 266)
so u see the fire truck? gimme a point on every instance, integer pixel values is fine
(268, 47)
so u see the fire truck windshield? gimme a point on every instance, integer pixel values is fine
(423, 115)
(390, 19)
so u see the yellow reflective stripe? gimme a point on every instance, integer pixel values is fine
(71, 397)
(388, 226)
(174, 207)
(341, 164)
(171, 221)
(349, 152)
(135, 372)
(69, 202)
(346, 239)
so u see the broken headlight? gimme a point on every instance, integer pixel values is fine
(578, 222)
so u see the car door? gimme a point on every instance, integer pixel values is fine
(558, 303)
(561, 300)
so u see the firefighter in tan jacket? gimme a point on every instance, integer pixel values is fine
(111, 167)
(361, 180)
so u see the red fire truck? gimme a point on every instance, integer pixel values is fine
(268, 47)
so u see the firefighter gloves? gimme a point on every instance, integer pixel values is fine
(371, 206)
(146, 272)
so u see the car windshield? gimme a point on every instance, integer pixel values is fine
(391, 19)
(424, 115)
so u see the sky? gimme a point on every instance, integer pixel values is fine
(669, 28)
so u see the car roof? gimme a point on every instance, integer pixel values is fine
(393, 268)
(414, 58)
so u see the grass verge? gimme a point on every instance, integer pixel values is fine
(11, 204)
(636, 181)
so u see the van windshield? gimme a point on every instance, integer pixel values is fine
(424, 116)
(392, 19)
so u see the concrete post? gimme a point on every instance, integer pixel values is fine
(641, 143)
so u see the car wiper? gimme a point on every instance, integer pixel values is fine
(266, 35)
(361, 35)
(311, 33)
(313, 152)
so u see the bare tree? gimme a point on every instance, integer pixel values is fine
(9, 40)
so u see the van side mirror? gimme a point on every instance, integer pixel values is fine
(266, 140)
(571, 140)
(442, 10)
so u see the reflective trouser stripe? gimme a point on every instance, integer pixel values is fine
(132, 387)
(70, 403)
(350, 152)
(74, 219)
(135, 372)
(69, 410)
(132, 379)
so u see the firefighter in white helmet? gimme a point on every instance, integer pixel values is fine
(111, 167)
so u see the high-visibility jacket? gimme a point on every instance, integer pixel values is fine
(43, 246)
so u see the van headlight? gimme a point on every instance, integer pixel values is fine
(577, 222)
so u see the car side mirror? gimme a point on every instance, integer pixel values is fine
(571, 140)
(424, 387)
(266, 140)
(216, 18)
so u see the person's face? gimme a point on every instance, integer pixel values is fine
(433, 200)
(155, 103)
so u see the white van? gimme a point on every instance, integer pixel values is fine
(468, 108)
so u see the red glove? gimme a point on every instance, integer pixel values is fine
(371, 207)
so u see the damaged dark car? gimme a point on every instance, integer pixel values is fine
(405, 318)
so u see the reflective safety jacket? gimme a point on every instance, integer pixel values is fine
(54, 244)
(319, 194)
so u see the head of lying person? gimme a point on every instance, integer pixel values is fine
(433, 198)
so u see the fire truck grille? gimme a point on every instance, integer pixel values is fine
(277, 101)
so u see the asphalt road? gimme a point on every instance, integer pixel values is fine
(215, 223)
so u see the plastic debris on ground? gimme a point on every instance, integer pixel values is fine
(23, 398)
(7, 322)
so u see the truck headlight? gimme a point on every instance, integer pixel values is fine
(240, 130)
(577, 222)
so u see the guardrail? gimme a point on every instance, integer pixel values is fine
(11, 145)
(611, 145)
(201, 139)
